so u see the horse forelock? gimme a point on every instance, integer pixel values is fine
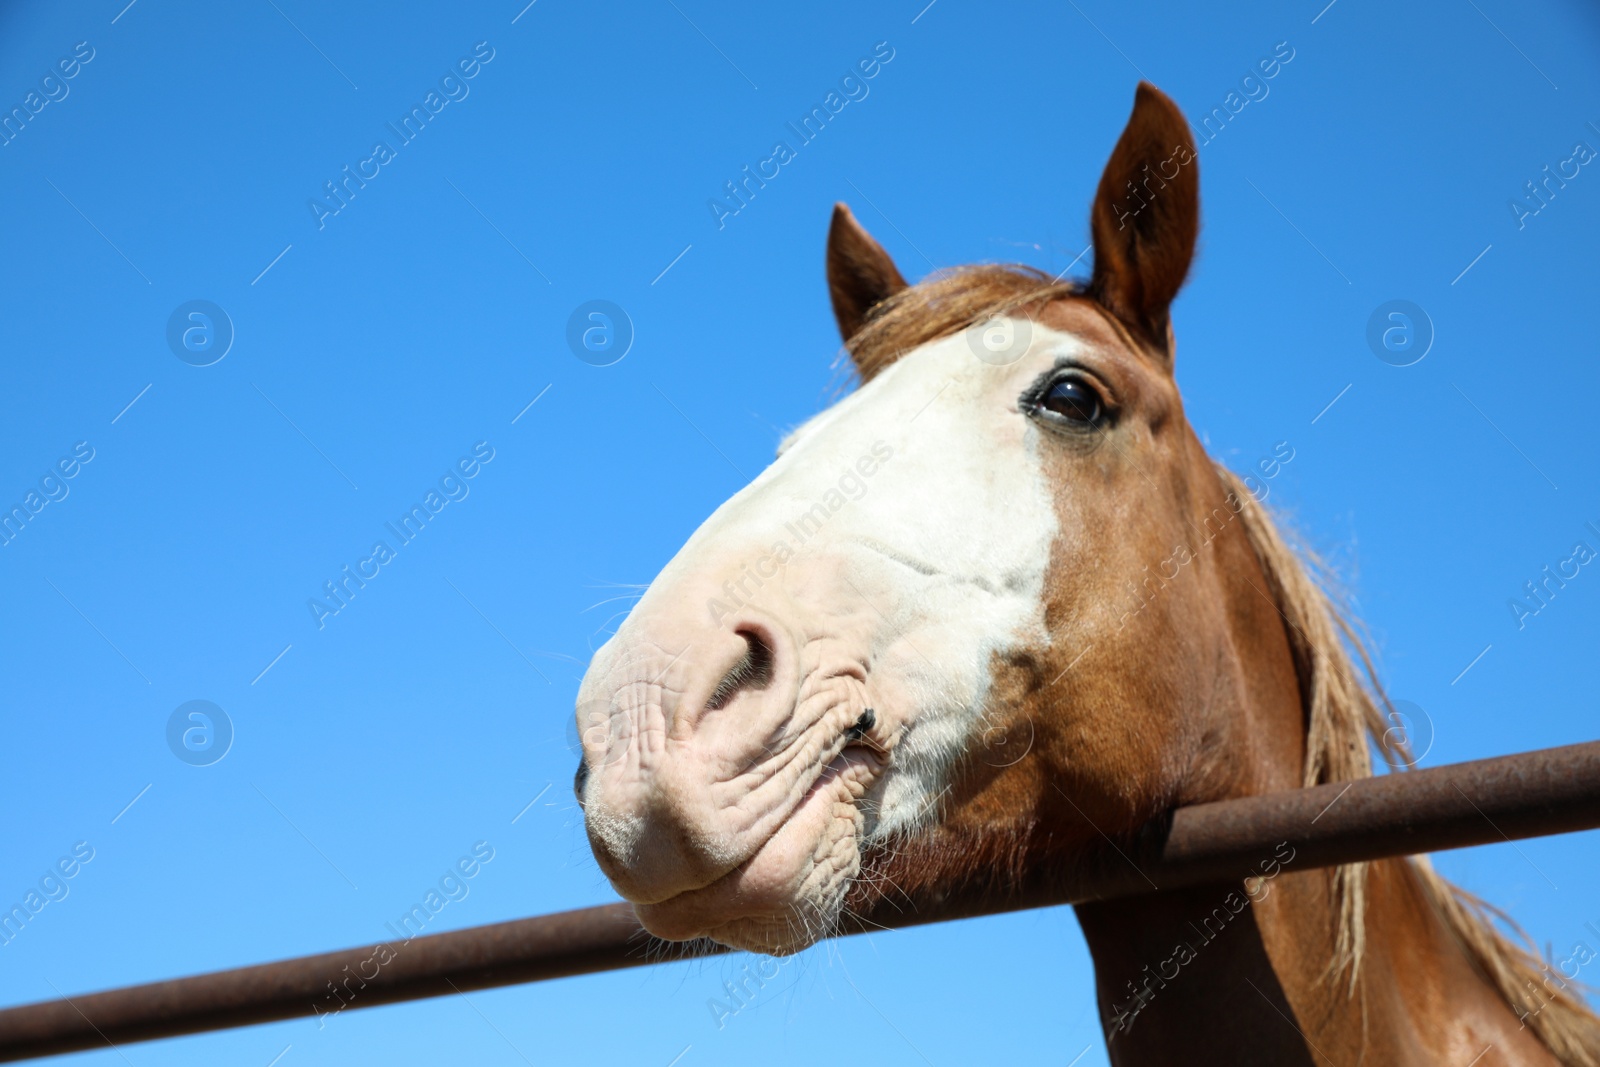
(944, 303)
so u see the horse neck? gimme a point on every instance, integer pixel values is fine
(1209, 974)
(1240, 972)
(1205, 976)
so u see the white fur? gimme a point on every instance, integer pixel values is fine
(949, 544)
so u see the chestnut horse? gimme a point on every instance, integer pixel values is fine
(997, 608)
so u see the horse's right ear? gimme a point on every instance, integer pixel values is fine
(1145, 218)
(860, 272)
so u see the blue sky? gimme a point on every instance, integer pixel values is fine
(374, 348)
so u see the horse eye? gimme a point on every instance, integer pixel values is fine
(1075, 400)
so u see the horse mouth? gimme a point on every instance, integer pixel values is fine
(789, 893)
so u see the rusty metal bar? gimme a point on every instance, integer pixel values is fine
(1551, 791)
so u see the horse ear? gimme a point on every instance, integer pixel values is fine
(1146, 216)
(860, 272)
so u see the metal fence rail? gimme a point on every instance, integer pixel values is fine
(1550, 791)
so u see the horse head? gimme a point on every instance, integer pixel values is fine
(995, 589)
(989, 615)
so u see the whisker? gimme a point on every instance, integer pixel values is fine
(612, 600)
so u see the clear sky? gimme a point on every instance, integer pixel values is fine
(374, 347)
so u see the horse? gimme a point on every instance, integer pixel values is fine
(995, 610)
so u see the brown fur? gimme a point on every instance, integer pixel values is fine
(982, 843)
(1238, 678)
(860, 272)
(1146, 217)
(1343, 709)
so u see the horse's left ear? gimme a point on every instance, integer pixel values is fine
(860, 272)
(1145, 218)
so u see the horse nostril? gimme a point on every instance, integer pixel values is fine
(580, 778)
(754, 671)
(868, 720)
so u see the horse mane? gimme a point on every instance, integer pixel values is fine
(1347, 716)
(1345, 710)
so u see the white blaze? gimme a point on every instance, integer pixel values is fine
(948, 542)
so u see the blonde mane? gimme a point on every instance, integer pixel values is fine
(1344, 724)
(1346, 710)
